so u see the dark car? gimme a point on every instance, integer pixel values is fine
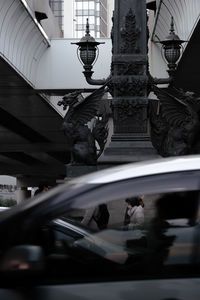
(46, 253)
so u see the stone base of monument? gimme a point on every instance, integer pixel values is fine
(128, 151)
(79, 170)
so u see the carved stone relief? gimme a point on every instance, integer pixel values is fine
(131, 68)
(130, 86)
(131, 115)
(130, 34)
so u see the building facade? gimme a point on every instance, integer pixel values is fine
(57, 7)
(76, 13)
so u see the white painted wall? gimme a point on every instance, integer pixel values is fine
(157, 64)
(59, 67)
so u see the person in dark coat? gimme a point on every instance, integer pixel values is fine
(42, 188)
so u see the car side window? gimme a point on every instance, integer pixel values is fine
(149, 235)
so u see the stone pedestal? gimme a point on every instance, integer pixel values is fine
(79, 170)
(128, 151)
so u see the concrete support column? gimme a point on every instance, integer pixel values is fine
(22, 194)
(22, 188)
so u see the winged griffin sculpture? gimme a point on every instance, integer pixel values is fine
(86, 144)
(175, 122)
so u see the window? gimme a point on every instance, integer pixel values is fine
(91, 5)
(80, 27)
(91, 20)
(80, 20)
(85, 12)
(80, 34)
(79, 5)
(85, 5)
(98, 6)
(79, 12)
(91, 12)
(97, 21)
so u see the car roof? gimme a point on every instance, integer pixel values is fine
(140, 169)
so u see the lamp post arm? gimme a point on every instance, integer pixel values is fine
(161, 80)
(155, 80)
(91, 81)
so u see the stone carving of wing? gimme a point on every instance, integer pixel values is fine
(100, 130)
(83, 111)
(175, 110)
(175, 125)
(159, 126)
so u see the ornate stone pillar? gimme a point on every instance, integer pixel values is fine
(130, 140)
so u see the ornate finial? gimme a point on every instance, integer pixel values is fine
(87, 28)
(130, 13)
(172, 25)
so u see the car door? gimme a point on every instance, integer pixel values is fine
(168, 268)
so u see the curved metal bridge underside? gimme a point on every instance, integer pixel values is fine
(188, 71)
(32, 143)
(187, 26)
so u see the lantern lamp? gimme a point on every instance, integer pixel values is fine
(87, 52)
(172, 49)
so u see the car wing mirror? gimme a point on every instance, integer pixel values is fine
(23, 257)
